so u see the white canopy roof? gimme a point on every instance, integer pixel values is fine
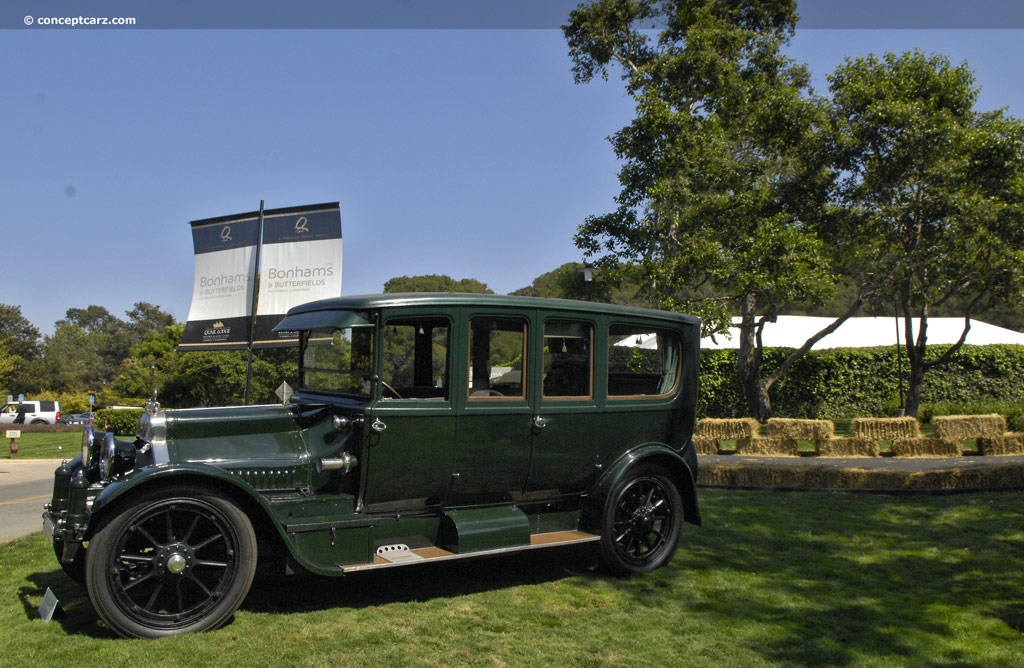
(791, 331)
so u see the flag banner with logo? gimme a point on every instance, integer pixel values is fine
(300, 262)
(225, 257)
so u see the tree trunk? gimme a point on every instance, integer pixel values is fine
(916, 348)
(748, 364)
(914, 382)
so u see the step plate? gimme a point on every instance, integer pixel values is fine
(394, 555)
(398, 553)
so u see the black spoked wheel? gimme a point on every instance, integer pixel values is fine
(643, 518)
(177, 561)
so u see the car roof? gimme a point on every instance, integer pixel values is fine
(376, 302)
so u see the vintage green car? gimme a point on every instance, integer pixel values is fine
(425, 427)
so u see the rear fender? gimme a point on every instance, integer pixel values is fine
(659, 454)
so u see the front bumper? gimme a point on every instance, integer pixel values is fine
(49, 527)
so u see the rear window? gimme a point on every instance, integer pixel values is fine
(568, 359)
(642, 362)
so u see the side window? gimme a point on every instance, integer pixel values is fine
(497, 357)
(415, 359)
(642, 361)
(338, 360)
(568, 359)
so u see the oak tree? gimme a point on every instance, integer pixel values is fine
(720, 176)
(931, 189)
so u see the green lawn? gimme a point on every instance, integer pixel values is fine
(772, 579)
(44, 445)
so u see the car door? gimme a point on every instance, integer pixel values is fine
(494, 438)
(410, 425)
(566, 429)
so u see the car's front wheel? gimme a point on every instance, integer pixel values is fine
(643, 517)
(173, 561)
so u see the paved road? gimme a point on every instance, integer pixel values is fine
(25, 485)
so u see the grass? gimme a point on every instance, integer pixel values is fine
(45, 445)
(772, 579)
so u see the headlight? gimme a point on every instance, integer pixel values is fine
(103, 454)
(88, 438)
(108, 453)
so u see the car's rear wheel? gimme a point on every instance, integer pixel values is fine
(643, 517)
(174, 561)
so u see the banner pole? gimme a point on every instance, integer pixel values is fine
(255, 298)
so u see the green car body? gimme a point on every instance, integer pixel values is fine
(424, 427)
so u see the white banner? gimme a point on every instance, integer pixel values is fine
(300, 262)
(225, 262)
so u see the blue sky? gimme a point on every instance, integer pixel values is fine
(465, 152)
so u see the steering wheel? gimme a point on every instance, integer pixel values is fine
(391, 390)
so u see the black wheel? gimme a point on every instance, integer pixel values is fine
(643, 517)
(175, 561)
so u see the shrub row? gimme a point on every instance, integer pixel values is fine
(121, 421)
(862, 382)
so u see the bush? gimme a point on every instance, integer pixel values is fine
(121, 421)
(864, 382)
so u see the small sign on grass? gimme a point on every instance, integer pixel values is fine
(49, 606)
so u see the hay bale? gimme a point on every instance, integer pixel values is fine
(705, 445)
(1010, 443)
(804, 430)
(926, 446)
(728, 429)
(771, 447)
(848, 447)
(773, 475)
(885, 429)
(959, 427)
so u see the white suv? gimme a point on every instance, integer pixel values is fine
(30, 412)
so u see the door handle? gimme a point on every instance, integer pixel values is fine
(377, 425)
(539, 422)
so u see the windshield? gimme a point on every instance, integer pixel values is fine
(337, 360)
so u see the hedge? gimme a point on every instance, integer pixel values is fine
(121, 421)
(864, 382)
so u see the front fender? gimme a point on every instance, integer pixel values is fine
(147, 477)
(676, 465)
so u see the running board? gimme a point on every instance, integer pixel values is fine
(389, 556)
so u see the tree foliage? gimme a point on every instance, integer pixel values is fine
(720, 179)
(931, 190)
(89, 346)
(19, 346)
(435, 283)
(569, 282)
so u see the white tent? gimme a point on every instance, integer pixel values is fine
(791, 331)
